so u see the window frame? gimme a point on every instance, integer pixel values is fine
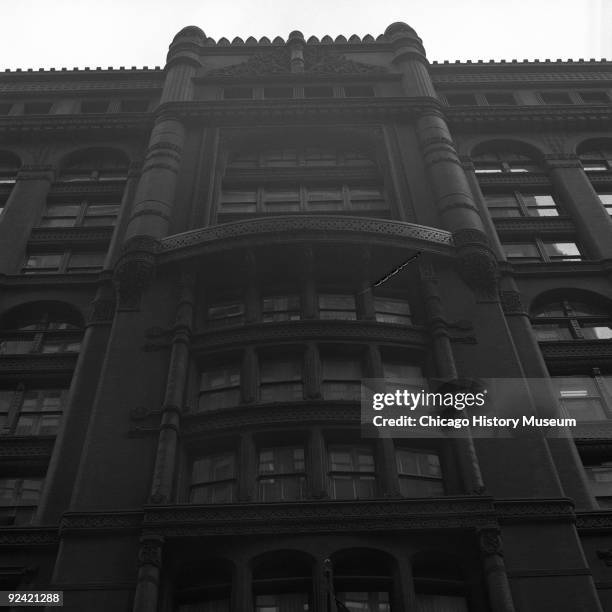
(522, 206)
(81, 217)
(572, 321)
(64, 265)
(353, 474)
(543, 255)
(230, 481)
(15, 410)
(301, 475)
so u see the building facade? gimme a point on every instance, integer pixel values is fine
(188, 307)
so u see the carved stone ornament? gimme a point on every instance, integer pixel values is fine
(101, 311)
(477, 264)
(511, 302)
(606, 556)
(150, 552)
(135, 271)
(490, 542)
(278, 61)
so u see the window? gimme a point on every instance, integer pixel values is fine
(571, 320)
(341, 378)
(351, 472)
(594, 97)
(280, 379)
(500, 99)
(80, 214)
(392, 311)
(584, 398)
(358, 91)
(539, 250)
(461, 99)
(321, 91)
(419, 472)
(37, 108)
(31, 411)
(39, 331)
(278, 92)
(237, 93)
(504, 162)
(282, 582)
(69, 261)
(337, 306)
(94, 106)
(281, 474)
(19, 498)
(226, 314)
(365, 601)
(401, 375)
(596, 159)
(520, 204)
(134, 106)
(281, 308)
(95, 165)
(219, 388)
(213, 479)
(606, 200)
(600, 480)
(9, 166)
(555, 97)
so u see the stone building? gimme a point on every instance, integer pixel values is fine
(187, 257)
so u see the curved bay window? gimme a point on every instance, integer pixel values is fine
(42, 327)
(572, 319)
(213, 479)
(281, 473)
(205, 587)
(363, 581)
(352, 471)
(301, 179)
(282, 582)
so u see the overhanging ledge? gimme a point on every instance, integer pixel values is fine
(308, 228)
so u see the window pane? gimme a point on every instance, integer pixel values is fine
(239, 201)
(563, 251)
(523, 251)
(49, 262)
(325, 199)
(541, 205)
(63, 210)
(597, 332)
(281, 200)
(86, 260)
(220, 378)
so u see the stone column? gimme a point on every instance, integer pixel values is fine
(312, 372)
(249, 375)
(318, 460)
(149, 565)
(248, 468)
(174, 399)
(580, 200)
(447, 370)
(310, 308)
(22, 212)
(242, 597)
(156, 190)
(500, 596)
(252, 297)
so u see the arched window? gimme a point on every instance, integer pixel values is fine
(363, 580)
(439, 585)
(301, 179)
(95, 165)
(282, 582)
(41, 327)
(204, 587)
(504, 161)
(572, 319)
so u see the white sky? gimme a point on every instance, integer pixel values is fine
(57, 33)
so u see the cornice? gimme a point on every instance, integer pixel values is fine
(321, 517)
(317, 228)
(307, 330)
(511, 118)
(559, 269)
(131, 122)
(534, 510)
(505, 77)
(336, 110)
(80, 522)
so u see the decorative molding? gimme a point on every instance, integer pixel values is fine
(308, 329)
(606, 556)
(321, 517)
(88, 189)
(70, 235)
(100, 521)
(317, 60)
(444, 76)
(25, 447)
(511, 302)
(33, 364)
(540, 225)
(150, 552)
(102, 311)
(534, 510)
(324, 228)
(33, 536)
(490, 542)
(51, 124)
(594, 521)
(511, 180)
(576, 349)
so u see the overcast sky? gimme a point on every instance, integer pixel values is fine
(56, 33)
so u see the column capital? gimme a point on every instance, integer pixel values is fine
(150, 551)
